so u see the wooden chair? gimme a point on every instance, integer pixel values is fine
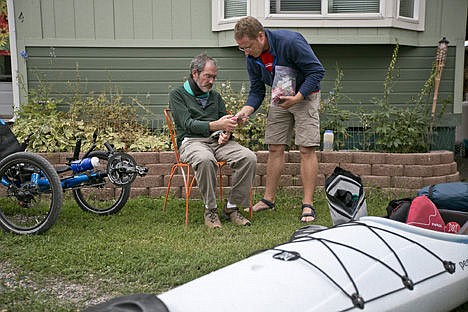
(189, 179)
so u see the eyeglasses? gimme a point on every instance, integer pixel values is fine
(209, 76)
(245, 49)
(252, 43)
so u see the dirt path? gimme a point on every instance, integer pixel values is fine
(64, 291)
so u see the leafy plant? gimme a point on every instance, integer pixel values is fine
(251, 134)
(399, 130)
(332, 116)
(57, 131)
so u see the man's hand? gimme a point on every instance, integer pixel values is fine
(225, 123)
(224, 137)
(244, 114)
(289, 101)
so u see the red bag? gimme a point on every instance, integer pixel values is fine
(424, 213)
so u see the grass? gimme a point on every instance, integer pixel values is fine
(85, 259)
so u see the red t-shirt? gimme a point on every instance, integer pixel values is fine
(267, 60)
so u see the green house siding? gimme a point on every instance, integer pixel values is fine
(147, 74)
(143, 48)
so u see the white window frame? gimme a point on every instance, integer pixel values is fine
(217, 16)
(415, 13)
(388, 16)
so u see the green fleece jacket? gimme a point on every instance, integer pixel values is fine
(190, 118)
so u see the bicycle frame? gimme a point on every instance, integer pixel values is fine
(67, 183)
(79, 179)
(76, 180)
(31, 189)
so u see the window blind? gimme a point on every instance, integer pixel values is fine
(407, 8)
(235, 8)
(296, 6)
(353, 6)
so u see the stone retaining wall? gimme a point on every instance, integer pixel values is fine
(381, 170)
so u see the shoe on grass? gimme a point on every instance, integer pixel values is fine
(236, 217)
(212, 219)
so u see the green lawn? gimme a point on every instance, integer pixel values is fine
(85, 259)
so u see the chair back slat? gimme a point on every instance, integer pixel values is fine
(172, 132)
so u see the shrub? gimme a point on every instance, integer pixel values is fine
(57, 131)
(251, 134)
(386, 128)
(333, 117)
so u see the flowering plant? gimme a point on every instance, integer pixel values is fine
(4, 30)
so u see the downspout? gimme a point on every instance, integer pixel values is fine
(13, 56)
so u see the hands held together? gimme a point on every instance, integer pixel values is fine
(229, 124)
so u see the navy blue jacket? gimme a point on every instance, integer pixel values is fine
(288, 49)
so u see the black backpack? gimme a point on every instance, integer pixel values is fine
(8, 142)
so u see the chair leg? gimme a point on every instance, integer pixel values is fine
(250, 205)
(188, 188)
(220, 185)
(169, 186)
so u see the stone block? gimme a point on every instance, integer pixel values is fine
(257, 181)
(294, 156)
(453, 177)
(149, 181)
(418, 170)
(445, 156)
(368, 158)
(327, 168)
(64, 156)
(159, 169)
(261, 169)
(376, 181)
(357, 169)
(407, 182)
(320, 180)
(387, 170)
(400, 159)
(226, 170)
(337, 157)
(144, 158)
(292, 168)
(434, 180)
(444, 169)
(177, 180)
(167, 157)
(139, 191)
(161, 191)
(262, 156)
(427, 158)
(53, 158)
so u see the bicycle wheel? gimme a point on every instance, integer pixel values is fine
(100, 196)
(30, 194)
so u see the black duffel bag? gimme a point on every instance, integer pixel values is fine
(8, 142)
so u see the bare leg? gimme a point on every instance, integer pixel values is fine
(275, 165)
(309, 171)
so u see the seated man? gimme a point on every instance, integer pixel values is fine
(198, 112)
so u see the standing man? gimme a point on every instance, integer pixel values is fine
(199, 112)
(265, 50)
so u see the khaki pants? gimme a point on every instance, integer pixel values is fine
(203, 153)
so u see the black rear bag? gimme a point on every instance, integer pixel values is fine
(8, 142)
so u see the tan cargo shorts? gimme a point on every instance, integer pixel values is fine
(304, 116)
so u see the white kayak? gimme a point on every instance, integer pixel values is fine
(374, 264)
